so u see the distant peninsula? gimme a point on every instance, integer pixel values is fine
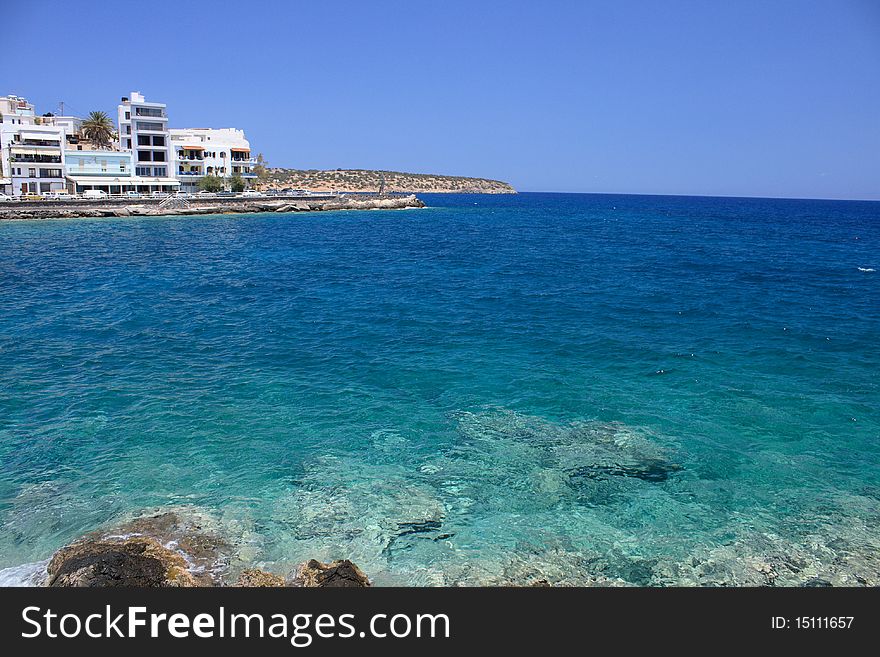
(363, 180)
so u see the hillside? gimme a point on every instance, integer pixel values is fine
(362, 180)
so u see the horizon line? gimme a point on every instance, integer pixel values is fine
(768, 198)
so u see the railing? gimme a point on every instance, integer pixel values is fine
(36, 159)
(174, 202)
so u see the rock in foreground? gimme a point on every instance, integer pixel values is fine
(255, 578)
(342, 573)
(136, 561)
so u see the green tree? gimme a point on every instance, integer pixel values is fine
(236, 183)
(98, 129)
(260, 168)
(210, 183)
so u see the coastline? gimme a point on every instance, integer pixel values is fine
(123, 208)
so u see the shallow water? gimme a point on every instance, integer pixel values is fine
(490, 390)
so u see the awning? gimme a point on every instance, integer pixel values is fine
(27, 150)
(240, 150)
(45, 136)
(191, 148)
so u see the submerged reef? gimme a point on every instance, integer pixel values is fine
(508, 500)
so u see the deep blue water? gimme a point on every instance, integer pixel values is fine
(493, 389)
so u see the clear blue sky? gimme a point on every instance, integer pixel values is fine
(752, 97)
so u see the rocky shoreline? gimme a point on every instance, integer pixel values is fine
(168, 550)
(116, 208)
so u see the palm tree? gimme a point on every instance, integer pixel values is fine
(98, 129)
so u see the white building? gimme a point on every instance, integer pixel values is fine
(199, 152)
(143, 132)
(31, 149)
(42, 153)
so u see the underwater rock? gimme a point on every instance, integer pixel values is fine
(652, 471)
(135, 561)
(256, 578)
(342, 573)
(368, 512)
(842, 557)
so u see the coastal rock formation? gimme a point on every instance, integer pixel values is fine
(342, 573)
(118, 208)
(256, 578)
(166, 549)
(362, 180)
(137, 561)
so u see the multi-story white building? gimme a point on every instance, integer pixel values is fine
(222, 152)
(31, 149)
(143, 132)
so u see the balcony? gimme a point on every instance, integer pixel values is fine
(190, 172)
(35, 159)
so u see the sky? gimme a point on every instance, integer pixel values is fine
(750, 98)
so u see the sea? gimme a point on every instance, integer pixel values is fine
(570, 389)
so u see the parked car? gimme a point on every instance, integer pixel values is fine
(94, 194)
(225, 193)
(251, 193)
(205, 193)
(59, 196)
(5, 197)
(32, 197)
(159, 194)
(132, 195)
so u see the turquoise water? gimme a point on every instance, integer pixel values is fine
(657, 390)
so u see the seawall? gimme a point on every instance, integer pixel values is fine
(15, 211)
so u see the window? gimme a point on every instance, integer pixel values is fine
(32, 173)
(143, 140)
(148, 125)
(103, 165)
(142, 171)
(128, 129)
(159, 171)
(122, 167)
(158, 141)
(144, 156)
(149, 111)
(128, 144)
(128, 116)
(158, 156)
